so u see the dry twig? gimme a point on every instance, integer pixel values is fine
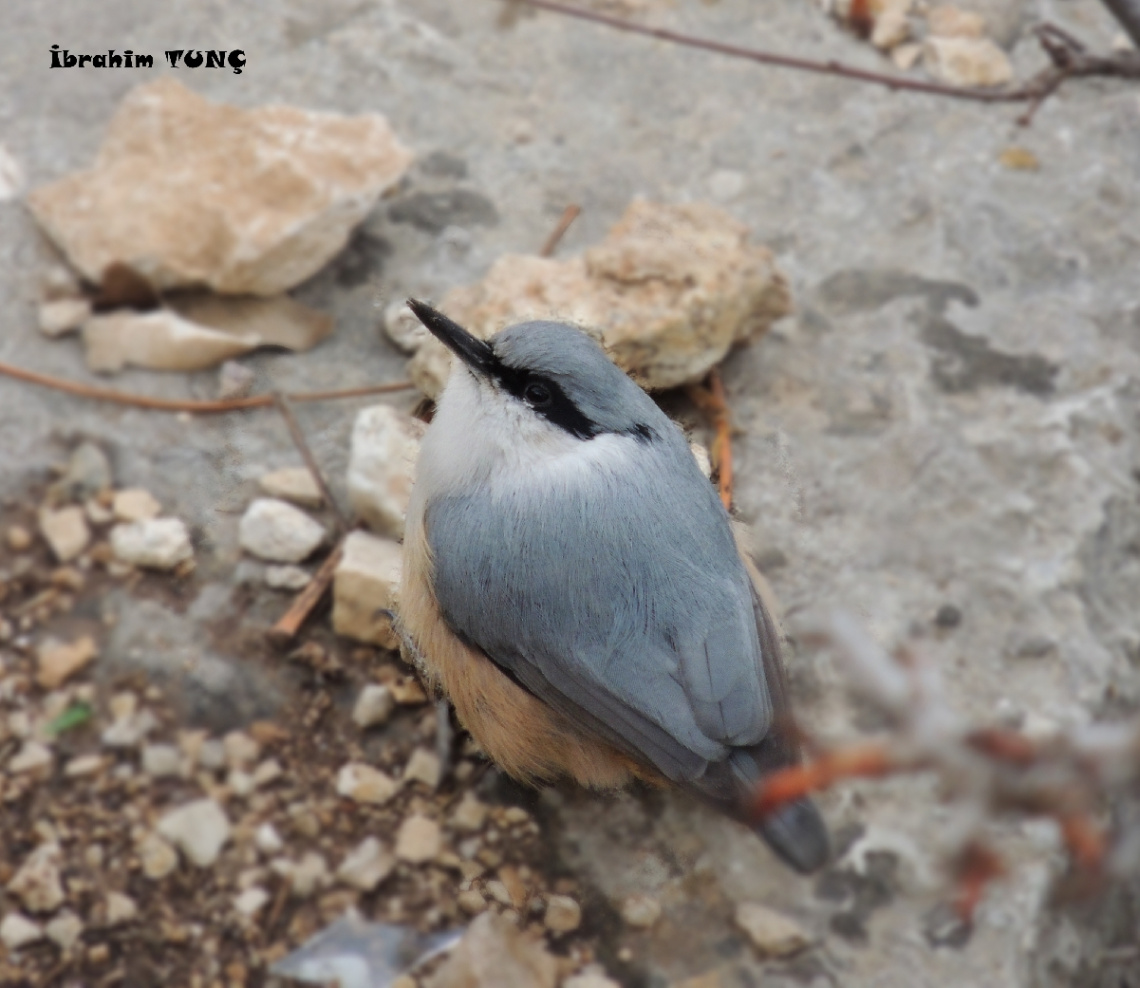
(569, 215)
(189, 405)
(298, 437)
(287, 626)
(710, 398)
(1069, 58)
(985, 773)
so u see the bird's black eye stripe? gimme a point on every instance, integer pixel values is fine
(547, 399)
(537, 395)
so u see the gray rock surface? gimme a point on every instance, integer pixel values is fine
(950, 417)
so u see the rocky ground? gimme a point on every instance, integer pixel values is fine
(942, 438)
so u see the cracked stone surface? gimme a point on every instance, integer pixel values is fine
(951, 417)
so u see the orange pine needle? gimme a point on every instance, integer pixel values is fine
(977, 867)
(1084, 839)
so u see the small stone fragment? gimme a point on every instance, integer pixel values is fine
(267, 840)
(251, 901)
(563, 914)
(19, 538)
(367, 865)
(31, 757)
(120, 909)
(64, 315)
(158, 340)
(418, 840)
(495, 953)
(129, 730)
(408, 691)
(590, 979)
(892, 26)
(470, 814)
(640, 911)
(906, 56)
(161, 760)
(771, 932)
(953, 22)
(286, 576)
(471, 902)
(374, 706)
(65, 531)
(966, 61)
(37, 884)
(212, 754)
(59, 662)
(135, 504)
(1019, 159)
(294, 484)
(158, 543)
(278, 532)
(403, 328)
(309, 875)
(266, 772)
(241, 750)
(88, 474)
(286, 188)
(17, 931)
(64, 930)
(83, 765)
(381, 467)
(424, 766)
(199, 829)
(365, 784)
(367, 580)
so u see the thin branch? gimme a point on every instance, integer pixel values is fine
(189, 405)
(1069, 63)
(306, 452)
(287, 626)
(569, 215)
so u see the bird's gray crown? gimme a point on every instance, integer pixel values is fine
(589, 394)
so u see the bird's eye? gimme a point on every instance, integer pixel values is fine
(537, 394)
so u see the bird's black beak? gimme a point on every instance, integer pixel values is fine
(474, 352)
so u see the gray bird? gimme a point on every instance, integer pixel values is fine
(572, 583)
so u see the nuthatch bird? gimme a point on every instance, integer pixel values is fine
(572, 583)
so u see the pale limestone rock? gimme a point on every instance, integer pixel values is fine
(19, 538)
(308, 875)
(424, 766)
(367, 579)
(892, 24)
(63, 315)
(11, 175)
(669, 291)
(65, 531)
(159, 340)
(381, 467)
(279, 532)
(495, 953)
(58, 661)
(418, 840)
(280, 321)
(199, 829)
(37, 884)
(953, 22)
(403, 328)
(966, 61)
(470, 814)
(158, 858)
(17, 931)
(590, 979)
(135, 504)
(161, 761)
(771, 932)
(267, 839)
(157, 543)
(374, 706)
(64, 930)
(129, 730)
(31, 757)
(286, 188)
(286, 576)
(251, 901)
(367, 865)
(295, 484)
(365, 784)
(471, 902)
(82, 765)
(906, 56)
(266, 772)
(640, 911)
(563, 914)
(120, 909)
(241, 750)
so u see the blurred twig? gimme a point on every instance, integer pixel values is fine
(569, 215)
(710, 398)
(1069, 58)
(985, 772)
(298, 437)
(189, 405)
(287, 626)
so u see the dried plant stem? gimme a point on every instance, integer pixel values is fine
(569, 215)
(287, 626)
(306, 452)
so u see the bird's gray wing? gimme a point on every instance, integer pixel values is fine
(632, 614)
